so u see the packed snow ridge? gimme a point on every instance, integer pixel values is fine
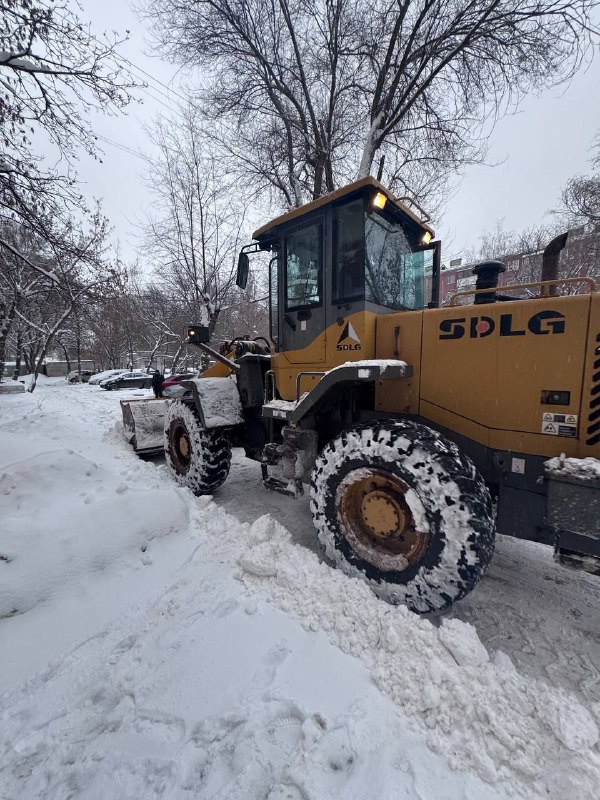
(481, 714)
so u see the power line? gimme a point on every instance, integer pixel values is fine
(122, 147)
(157, 100)
(152, 78)
(140, 70)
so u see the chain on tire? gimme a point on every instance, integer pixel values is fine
(399, 506)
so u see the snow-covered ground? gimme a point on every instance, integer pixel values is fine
(153, 644)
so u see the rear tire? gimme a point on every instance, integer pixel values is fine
(398, 505)
(198, 458)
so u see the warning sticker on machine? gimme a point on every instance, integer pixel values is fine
(559, 424)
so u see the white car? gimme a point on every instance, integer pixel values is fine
(108, 373)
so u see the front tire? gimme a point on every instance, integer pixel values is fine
(397, 504)
(198, 458)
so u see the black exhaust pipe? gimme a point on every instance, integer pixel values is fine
(550, 260)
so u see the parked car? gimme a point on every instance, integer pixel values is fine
(172, 385)
(79, 377)
(179, 376)
(130, 380)
(105, 375)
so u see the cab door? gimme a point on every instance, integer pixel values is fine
(302, 318)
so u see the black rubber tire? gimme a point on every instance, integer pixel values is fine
(209, 456)
(447, 490)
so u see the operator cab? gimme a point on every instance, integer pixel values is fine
(357, 249)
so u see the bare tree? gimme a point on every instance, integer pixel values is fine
(581, 195)
(23, 281)
(193, 235)
(302, 96)
(522, 252)
(53, 71)
(69, 280)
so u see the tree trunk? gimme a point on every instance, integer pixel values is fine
(176, 358)
(38, 366)
(370, 148)
(49, 336)
(154, 351)
(64, 349)
(17, 369)
(78, 327)
(29, 360)
(7, 315)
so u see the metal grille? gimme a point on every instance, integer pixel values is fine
(593, 430)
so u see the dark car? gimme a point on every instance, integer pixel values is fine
(129, 380)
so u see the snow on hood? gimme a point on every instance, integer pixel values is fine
(383, 363)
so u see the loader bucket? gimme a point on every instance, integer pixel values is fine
(143, 424)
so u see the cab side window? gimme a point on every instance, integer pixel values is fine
(304, 267)
(274, 299)
(349, 252)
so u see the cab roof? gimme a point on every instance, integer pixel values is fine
(271, 229)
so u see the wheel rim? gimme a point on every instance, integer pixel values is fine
(180, 447)
(383, 519)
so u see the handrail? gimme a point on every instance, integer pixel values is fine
(425, 217)
(543, 285)
(270, 378)
(299, 377)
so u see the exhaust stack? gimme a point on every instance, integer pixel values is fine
(550, 260)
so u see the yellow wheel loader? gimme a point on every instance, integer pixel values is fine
(421, 430)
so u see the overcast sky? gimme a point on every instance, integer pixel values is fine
(532, 154)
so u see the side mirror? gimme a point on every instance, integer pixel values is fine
(242, 270)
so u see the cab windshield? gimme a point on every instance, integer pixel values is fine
(377, 259)
(394, 271)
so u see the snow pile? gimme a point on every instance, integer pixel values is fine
(482, 716)
(64, 516)
(102, 516)
(579, 468)
(225, 662)
(14, 387)
(208, 692)
(211, 695)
